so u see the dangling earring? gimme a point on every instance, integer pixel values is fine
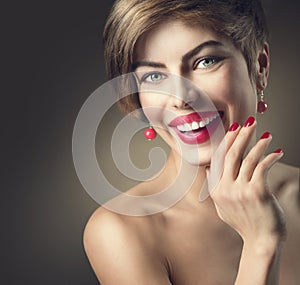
(262, 106)
(150, 133)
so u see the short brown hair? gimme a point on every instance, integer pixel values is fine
(242, 21)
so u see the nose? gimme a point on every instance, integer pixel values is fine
(184, 94)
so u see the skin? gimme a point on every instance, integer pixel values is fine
(254, 207)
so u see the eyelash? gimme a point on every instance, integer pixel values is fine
(215, 60)
(148, 75)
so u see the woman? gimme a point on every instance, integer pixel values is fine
(247, 231)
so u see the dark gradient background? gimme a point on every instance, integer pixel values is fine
(51, 61)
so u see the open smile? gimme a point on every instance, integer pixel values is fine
(196, 128)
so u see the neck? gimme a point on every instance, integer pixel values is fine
(190, 177)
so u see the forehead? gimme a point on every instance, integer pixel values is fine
(172, 37)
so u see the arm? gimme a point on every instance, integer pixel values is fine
(259, 264)
(244, 201)
(118, 255)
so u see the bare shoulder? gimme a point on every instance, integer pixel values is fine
(122, 250)
(101, 225)
(285, 179)
(287, 191)
(105, 224)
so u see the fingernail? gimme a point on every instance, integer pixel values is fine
(278, 150)
(233, 127)
(249, 121)
(265, 135)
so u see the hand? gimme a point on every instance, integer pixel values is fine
(242, 198)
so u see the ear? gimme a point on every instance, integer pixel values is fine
(263, 67)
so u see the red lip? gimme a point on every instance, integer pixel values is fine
(201, 135)
(193, 117)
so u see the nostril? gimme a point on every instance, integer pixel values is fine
(182, 104)
(188, 104)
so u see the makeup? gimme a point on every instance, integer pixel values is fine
(197, 127)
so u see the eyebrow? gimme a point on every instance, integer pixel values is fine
(137, 64)
(185, 57)
(200, 47)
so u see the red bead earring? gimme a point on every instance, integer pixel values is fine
(150, 134)
(262, 106)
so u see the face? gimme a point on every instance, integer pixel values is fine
(191, 81)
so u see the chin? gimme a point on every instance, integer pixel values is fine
(196, 157)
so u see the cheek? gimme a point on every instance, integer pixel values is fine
(221, 89)
(232, 87)
(153, 107)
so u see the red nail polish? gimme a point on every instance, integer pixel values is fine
(265, 135)
(278, 150)
(233, 127)
(249, 121)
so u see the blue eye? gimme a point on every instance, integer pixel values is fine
(206, 62)
(153, 77)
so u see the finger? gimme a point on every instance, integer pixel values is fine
(253, 157)
(232, 133)
(218, 159)
(235, 153)
(264, 166)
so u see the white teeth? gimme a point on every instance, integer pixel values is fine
(202, 124)
(212, 118)
(195, 125)
(187, 127)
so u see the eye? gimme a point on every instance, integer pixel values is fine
(206, 62)
(153, 77)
